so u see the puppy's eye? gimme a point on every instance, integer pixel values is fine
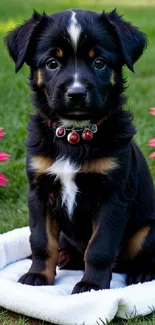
(99, 63)
(52, 64)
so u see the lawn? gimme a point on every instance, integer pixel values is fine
(15, 106)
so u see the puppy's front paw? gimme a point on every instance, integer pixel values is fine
(84, 287)
(33, 279)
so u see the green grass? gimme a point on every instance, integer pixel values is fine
(15, 107)
(10, 318)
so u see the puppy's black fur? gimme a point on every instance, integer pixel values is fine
(99, 194)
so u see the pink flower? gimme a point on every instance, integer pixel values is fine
(3, 157)
(152, 155)
(152, 142)
(2, 133)
(152, 111)
(3, 180)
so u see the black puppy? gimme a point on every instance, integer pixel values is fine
(87, 178)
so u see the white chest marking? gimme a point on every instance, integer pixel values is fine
(74, 29)
(66, 172)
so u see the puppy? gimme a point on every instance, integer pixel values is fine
(87, 179)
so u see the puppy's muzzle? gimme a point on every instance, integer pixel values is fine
(76, 94)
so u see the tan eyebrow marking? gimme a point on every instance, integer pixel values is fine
(91, 53)
(59, 53)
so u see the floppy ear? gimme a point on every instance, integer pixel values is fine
(131, 41)
(18, 40)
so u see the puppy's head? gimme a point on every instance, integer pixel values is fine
(75, 59)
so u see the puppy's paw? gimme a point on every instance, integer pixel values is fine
(33, 279)
(133, 278)
(84, 287)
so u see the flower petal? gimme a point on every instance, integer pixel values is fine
(2, 134)
(152, 142)
(3, 180)
(4, 156)
(152, 111)
(152, 155)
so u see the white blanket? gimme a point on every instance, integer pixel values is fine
(55, 303)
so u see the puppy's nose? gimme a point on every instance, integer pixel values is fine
(76, 94)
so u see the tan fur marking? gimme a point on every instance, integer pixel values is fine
(135, 243)
(99, 166)
(40, 164)
(52, 231)
(94, 233)
(91, 53)
(112, 78)
(59, 53)
(39, 78)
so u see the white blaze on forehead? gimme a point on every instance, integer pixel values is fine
(66, 172)
(74, 29)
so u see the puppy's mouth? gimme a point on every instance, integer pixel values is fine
(74, 114)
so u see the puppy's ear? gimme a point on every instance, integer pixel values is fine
(18, 40)
(130, 40)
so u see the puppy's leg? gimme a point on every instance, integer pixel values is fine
(142, 262)
(44, 242)
(103, 246)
